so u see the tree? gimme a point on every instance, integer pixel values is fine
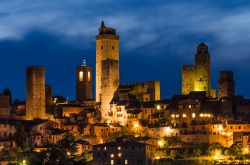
(21, 138)
(196, 152)
(69, 144)
(8, 93)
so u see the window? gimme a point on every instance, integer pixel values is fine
(101, 47)
(113, 47)
(112, 162)
(89, 76)
(81, 76)
(126, 161)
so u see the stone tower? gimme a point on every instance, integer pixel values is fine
(83, 82)
(197, 77)
(107, 67)
(226, 85)
(35, 92)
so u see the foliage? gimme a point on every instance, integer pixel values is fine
(21, 138)
(214, 147)
(171, 141)
(196, 152)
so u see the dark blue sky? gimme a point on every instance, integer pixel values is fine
(156, 39)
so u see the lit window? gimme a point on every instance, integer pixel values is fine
(81, 76)
(193, 115)
(126, 161)
(158, 107)
(201, 115)
(119, 148)
(189, 106)
(184, 115)
(104, 147)
(172, 115)
(177, 115)
(112, 155)
(112, 162)
(89, 76)
(119, 154)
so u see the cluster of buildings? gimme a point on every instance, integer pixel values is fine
(125, 123)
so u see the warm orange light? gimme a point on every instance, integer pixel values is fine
(136, 125)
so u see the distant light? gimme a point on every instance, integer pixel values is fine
(160, 143)
(136, 125)
(184, 115)
(173, 115)
(158, 107)
(112, 155)
(201, 115)
(220, 128)
(119, 148)
(168, 130)
(193, 115)
(119, 154)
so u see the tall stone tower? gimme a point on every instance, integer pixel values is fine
(226, 84)
(197, 77)
(35, 92)
(202, 62)
(83, 82)
(107, 67)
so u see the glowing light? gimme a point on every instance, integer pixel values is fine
(217, 155)
(172, 115)
(89, 76)
(184, 115)
(112, 155)
(168, 130)
(201, 115)
(220, 128)
(119, 154)
(157, 157)
(189, 106)
(160, 143)
(68, 153)
(246, 150)
(136, 125)
(119, 148)
(177, 115)
(193, 115)
(158, 107)
(24, 161)
(81, 76)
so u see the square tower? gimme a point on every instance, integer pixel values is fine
(83, 82)
(107, 54)
(35, 92)
(226, 84)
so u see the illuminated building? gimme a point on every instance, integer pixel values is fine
(197, 77)
(107, 67)
(83, 82)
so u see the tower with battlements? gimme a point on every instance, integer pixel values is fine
(107, 67)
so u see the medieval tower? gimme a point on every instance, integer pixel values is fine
(197, 77)
(83, 82)
(35, 92)
(107, 67)
(226, 84)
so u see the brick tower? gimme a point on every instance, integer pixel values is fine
(35, 92)
(83, 82)
(107, 67)
(226, 84)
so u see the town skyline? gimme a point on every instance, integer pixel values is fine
(163, 51)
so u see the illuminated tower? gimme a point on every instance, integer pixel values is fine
(35, 92)
(83, 82)
(197, 77)
(107, 67)
(202, 62)
(226, 84)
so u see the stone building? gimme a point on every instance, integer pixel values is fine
(35, 92)
(48, 98)
(107, 67)
(197, 77)
(83, 82)
(226, 84)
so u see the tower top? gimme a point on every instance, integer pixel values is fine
(102, 24)
(103, 30)
(84, 62)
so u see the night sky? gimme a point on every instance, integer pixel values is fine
(156, 38)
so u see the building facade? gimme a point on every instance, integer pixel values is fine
(226, 84)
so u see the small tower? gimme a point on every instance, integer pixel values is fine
(35, 93)
(226, 84)
(83, 82)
